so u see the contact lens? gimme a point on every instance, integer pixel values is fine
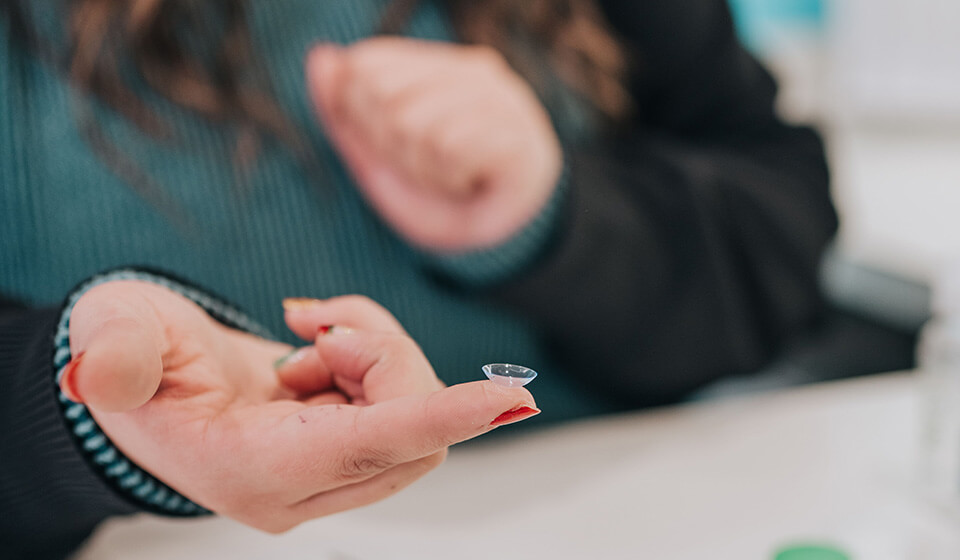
(509, 375)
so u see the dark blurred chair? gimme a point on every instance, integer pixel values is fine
(871, 326)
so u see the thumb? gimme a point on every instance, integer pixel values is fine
(117, 342)
(327, 77)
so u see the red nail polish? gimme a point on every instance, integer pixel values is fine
(333, 329)
(68, 381)
(515, 415)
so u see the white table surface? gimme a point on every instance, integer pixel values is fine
(735, 479)
(898, 192)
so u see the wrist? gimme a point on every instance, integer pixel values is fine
(124, 476)
(487, 267)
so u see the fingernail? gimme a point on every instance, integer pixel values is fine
(333, 329)
(293, 357)
(68, 381)
(515, 415)
(299, 303)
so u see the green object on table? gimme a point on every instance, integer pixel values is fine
(810, 553)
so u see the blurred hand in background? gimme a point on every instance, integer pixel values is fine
(447, 143)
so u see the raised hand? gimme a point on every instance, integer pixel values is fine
(354, 418)
(445, 141)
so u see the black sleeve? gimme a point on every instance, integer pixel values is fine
(50, 497)
(692, 238)
(60, 475)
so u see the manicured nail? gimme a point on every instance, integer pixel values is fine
(291, 358)
(333, 329)
(298, 303)
(68, 381)
(515, 415)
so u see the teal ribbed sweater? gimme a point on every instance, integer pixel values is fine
(66, 216)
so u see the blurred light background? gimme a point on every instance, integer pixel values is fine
(881, 80)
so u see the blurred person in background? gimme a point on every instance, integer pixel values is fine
(597, 189)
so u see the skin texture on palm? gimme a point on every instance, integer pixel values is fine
(447, 143)
(199, 405)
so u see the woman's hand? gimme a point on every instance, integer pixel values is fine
(446, 142)
(350, 420)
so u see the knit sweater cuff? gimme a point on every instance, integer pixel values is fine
(488, 267)
(122, 474)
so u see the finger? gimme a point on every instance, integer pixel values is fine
(118, 344)
(392, 107)
(413, 427)
(380, 118)
(354, 149)
(306, 316)
(373, 489)
(405, 132)
(327, 397)
(372, 99)
(325, 76)
(378, 76)
(372, 439)
(370, 68)
(303, 371)
(380, 54)
(376, 366)
(460, 148)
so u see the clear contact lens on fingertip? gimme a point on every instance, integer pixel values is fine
(509, 375)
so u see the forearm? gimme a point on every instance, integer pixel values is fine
(60, 475)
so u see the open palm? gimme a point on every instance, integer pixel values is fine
(355, 417)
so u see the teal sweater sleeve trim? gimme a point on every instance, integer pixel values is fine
(488, 267)
(122, 473)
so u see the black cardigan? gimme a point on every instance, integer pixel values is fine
(690, 251)
(693, 237)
